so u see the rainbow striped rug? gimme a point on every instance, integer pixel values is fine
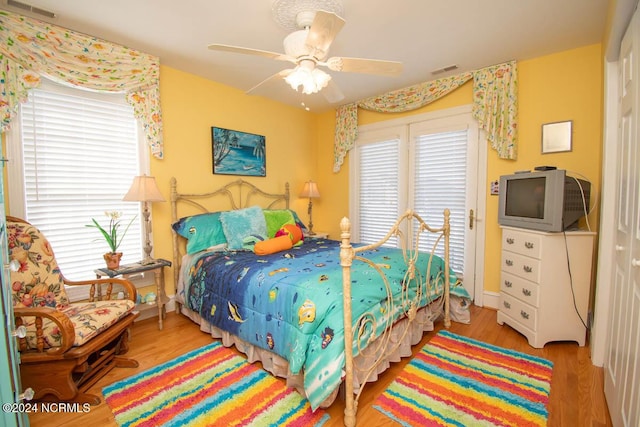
(457, 381)
(210, 386)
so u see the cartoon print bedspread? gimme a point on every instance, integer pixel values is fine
(291, 302)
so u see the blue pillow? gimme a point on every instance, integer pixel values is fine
(296, 218)
(201, 231)
(241, 224)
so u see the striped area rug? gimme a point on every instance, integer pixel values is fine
(457, 381)
(210, 386)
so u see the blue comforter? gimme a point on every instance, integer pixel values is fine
(291, 302)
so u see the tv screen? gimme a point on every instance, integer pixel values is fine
(525, 197)
(542, 200)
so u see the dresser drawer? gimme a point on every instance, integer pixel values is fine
(520, 288)
(521, 266)
(522, 243)
(518, 311)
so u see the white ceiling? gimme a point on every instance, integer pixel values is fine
(424, 35)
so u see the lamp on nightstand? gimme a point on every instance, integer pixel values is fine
(310, 190)
(144, 189)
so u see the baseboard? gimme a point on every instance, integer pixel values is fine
(491, 299)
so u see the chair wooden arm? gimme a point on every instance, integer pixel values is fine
(67, 331)
(95, 292)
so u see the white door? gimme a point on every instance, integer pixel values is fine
(427, 163)
(449, 180)
(10, 384)
(622, 368)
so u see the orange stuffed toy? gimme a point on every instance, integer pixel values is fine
(285, 238)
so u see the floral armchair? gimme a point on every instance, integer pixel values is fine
(65, 347)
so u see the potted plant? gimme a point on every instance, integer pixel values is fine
(112, 237)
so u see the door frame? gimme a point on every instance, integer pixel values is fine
(481, 180)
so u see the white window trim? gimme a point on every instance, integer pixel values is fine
(368, 136)
(15, 169)
(481, 179)
(394, 128)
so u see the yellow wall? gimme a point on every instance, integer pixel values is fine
(562, 86)
(191, 106)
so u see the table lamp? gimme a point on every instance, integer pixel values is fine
(310, 190)
(144, 189)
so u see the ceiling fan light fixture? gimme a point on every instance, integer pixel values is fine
(307, 77)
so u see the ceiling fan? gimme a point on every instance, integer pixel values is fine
(308, 48)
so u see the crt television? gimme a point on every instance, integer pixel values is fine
(547, 200)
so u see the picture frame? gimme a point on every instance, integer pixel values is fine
(557, 137)
(238, 153)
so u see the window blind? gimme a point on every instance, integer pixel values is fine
(378, 184)
(439, 183)
(80, 155)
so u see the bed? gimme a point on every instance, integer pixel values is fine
(295, 309)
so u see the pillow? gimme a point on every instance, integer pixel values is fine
(297, 220)
(276, 218)
(288, 236)
(242, 223)
(201, 231)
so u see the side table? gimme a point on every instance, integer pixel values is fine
(157, 267)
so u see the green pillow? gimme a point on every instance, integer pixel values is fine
(201, 231)
(242, 223)
(276, 218)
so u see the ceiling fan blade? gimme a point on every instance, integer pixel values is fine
(366, 66)
(323, 30)
(249, 51)
(277, 76)
(332, 93)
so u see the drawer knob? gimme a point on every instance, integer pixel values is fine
(506, 304)
(508, 284)
(526, 292)
(508, 262)
(510, 240)
(524, 314)
(527, 269)
(635, 263)
(528, 245)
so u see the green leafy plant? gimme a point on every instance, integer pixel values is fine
(110, 233)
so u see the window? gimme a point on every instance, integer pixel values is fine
(420, 164)
(439, 183)
(73, 156)
(379, 190)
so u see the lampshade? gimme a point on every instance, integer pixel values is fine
(144, 189)
(310, 190)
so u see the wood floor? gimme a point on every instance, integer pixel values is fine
(577, 397)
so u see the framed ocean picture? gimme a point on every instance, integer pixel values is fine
(238, 153)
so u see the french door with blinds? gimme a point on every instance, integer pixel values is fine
(427, 165)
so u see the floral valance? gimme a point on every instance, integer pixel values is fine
(494, 106)
(30, 48)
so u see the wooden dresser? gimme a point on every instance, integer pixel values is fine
(545, 282)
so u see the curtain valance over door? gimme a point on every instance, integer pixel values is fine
(495, 107)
